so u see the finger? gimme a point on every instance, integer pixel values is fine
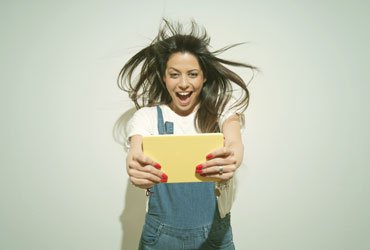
(133, 164)
(219, 162)
(223, 177)
(218, 170)
(221, 152)
(144, 160)
(148, 173)
(141, 183)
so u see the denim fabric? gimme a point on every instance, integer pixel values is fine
(184, 216)
(159, 236)
(183, 205)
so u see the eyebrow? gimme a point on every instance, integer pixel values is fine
(179, 70)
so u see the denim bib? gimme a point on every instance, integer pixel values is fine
(181, 205)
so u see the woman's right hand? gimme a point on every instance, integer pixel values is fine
(143, 171)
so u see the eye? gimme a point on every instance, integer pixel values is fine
(174, 75)
(193, 74)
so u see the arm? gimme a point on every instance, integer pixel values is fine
(230, 156)
(143, 171)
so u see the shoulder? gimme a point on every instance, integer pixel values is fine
(146, 111)
(231, 111)
(143, 122)
(143, 116)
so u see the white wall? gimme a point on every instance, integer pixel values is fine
(62, 178)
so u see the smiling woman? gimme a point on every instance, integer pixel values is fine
(149, 88)
(183, 83)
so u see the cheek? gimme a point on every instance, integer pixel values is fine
(169, 86)
(168, 89)
(200, 84)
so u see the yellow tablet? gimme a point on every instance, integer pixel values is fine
(180, 154)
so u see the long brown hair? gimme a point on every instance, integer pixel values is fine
(148, 88)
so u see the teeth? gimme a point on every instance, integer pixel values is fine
(183, 93)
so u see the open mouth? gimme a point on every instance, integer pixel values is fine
(184, 96)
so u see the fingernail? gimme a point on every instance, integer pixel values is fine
(157, 166)
(164, 177)
(200, 166)
(209, 156)
(199, 171)
(204, 175)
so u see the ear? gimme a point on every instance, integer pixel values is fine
(204, 77)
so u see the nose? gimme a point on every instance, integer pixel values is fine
(184, 83)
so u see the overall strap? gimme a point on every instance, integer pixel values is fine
(163, 127)
(160, 123)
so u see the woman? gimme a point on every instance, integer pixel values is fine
(182, 82)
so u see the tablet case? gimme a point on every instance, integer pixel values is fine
(180, 154)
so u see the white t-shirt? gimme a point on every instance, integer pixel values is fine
(144, 121)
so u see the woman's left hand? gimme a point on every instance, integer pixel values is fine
(223, 162)
(220, 164)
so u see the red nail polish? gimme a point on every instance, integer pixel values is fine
(209, 156)
(199, 171)
(200, 166)
(204, 175)
(164, 177)
(157, 166)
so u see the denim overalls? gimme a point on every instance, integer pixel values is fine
(184, 215)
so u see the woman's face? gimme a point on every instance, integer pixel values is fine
(184, 81)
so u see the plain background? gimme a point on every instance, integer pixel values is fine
(305, 183)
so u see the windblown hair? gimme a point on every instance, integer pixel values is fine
(148, 89)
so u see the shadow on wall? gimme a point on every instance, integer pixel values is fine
(133, 214)
(132, 217)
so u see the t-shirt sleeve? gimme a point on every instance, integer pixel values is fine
(141, 123)
(229, 111)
